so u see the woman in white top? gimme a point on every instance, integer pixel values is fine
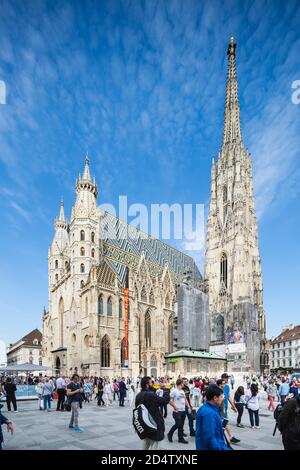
(131, 396)
(252, 400)
(39, 390)
(196, 396)
(108, 393)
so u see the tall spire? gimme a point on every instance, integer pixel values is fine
(62, 217)
(61, 220)
(232, 126)
(86, 173)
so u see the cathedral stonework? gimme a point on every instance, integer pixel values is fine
(88, 261)
(232, 261)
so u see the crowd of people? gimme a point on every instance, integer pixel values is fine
(203, 401)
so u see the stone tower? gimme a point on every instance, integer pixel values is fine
(232, 263)
(84, 229)
(59, 251)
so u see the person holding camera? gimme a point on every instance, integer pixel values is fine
(74, 392)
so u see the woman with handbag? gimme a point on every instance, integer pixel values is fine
(272, 394)
(239, 401)
(252, 400)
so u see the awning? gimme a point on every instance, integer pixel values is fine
(26, 368)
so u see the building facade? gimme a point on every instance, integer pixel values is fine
(195, 364)
(284, 353)
(88, 263)
(27, 350)
(232, 262)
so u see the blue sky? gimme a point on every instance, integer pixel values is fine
(141, 85)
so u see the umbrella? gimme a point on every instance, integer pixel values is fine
(25, 368)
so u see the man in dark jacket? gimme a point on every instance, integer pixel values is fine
(10, 392)
(8, 423)
(153, 403)
(189, 415)
(122, 391)
(289, 424)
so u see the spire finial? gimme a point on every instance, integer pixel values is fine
(232, 128)
(62, 217)
(86, 173)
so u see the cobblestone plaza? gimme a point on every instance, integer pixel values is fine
(111, 429)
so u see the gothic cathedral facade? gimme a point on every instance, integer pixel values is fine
(90, 261)
(232, 261)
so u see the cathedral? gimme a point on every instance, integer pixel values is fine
(112, 304)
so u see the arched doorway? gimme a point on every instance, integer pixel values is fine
(57, 365)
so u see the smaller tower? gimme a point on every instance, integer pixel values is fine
(58, 253)
(84, 229)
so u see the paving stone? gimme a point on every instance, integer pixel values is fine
(111, 429)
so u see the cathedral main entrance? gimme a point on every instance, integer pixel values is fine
(57, 365)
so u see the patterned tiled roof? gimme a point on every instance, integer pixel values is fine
(121, 238)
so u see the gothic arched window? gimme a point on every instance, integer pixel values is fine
(93, 252)
(82, 235)
(105, 352)
(61, 309)
(93, 237)
(120, 308)
(151, 297)
(170, 334)
(123, 351)
(82, 268)
(223, 269)
(100, 305)
(56, 264)
(148, 329)
(225, 198)
(82, 284)
(153, 361)
(82, 251)
(220, 328)
(167, 301)
(109, 307)
(143, 295)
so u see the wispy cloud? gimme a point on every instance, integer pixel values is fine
(23, 212)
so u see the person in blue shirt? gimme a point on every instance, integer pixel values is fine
(209, 429)
(283, 390)
(294, 389)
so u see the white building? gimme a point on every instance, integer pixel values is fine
(284, 355)
(27, 350)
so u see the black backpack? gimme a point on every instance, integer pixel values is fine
(143, 423)
(277, 412)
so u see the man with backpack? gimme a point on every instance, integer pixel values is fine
(289, 424)
(147, 417)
